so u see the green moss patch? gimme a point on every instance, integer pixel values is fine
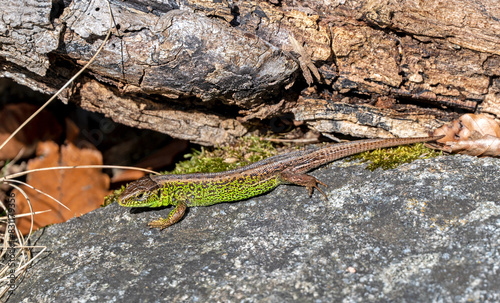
(245, 151)
(389, 158)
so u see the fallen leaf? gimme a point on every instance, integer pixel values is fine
(81, 190)
(43, 127)
(485, 146)
(471, 134)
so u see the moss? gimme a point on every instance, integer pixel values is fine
(245, 151)
(109, 199)
(389, 158)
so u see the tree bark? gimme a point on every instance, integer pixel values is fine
(207, 70)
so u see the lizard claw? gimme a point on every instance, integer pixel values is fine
(308, 181)
(312, 187)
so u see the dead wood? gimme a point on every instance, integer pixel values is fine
(200, 70)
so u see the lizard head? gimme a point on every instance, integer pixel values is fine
(141, 193)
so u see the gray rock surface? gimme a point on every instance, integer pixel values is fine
(424, 232)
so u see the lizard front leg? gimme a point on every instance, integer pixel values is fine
(173, 217)
(309, 182)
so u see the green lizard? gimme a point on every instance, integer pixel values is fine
(204, 189)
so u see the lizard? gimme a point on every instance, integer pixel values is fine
(204, 189)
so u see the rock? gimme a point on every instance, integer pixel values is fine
(423, 232)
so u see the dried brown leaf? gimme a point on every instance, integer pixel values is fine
(485, 146)
(481, 123)
(81, 190)
(471, 134)
(43, 127)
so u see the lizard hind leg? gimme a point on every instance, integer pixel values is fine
(173, 217)
(307, 181)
